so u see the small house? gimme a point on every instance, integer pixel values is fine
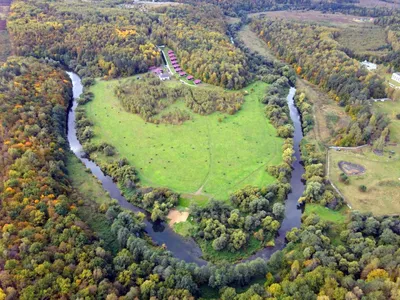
(182, 73)
(164, 76)
(178, 69)
(197, 81)
(396, 77)
(369, 65)
(190, 77)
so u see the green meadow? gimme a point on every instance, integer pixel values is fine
(209, 156)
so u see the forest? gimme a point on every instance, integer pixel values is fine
(49, 249)
(111, 41)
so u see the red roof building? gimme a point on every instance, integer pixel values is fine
(178, 69)
(197, 81)
(182, 73)
(190, 77)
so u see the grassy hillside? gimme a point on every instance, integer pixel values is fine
(210, 155)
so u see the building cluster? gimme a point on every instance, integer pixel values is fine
(178, 69)
(160, 73)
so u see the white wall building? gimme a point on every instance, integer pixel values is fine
(396, 77)
(369, 65)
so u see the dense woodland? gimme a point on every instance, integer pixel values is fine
(149, 96)
(111, 41)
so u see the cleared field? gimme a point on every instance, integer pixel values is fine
(381, 177)
(254, 43)
(391, 108)
(310, 16)
(378, 3)
(366, 39)
(328, 116)
(208, 155)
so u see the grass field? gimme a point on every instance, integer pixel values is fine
(326, 214)
(382, 179)
(391, 108)
(209, 155)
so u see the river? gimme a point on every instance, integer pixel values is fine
(160, 232)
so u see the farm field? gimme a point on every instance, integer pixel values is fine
(381, 177)
(209, 156)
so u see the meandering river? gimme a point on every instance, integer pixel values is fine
(161, 233)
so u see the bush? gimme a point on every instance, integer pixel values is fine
(398, 116)
(362, 188)
(344, 178)
(109, 151)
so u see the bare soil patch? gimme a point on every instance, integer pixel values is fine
(350, 168)
(176, 216)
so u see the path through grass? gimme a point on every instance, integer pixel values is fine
(209, 155)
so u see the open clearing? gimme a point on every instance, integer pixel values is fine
(328, 116)
(379, 3)
(326, 214)
(381, 177)
(254, 43)
(310, 16)
(210, 155)
(391, 108)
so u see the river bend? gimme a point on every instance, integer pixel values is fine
(160, 232)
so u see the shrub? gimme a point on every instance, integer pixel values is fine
(362, 188)
(344, 178)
